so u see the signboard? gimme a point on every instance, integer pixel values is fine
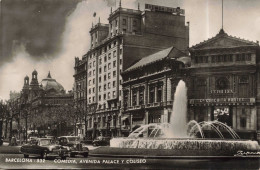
(165, 9)
(222, 100)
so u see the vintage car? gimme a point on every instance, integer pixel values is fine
(74, 145)
(44, 148)
(101, 141)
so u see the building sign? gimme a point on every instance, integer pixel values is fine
(222, 91)
(164, 9)
(222, 100)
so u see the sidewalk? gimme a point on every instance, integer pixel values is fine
(6, 149)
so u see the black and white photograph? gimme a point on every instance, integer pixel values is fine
(129, 84)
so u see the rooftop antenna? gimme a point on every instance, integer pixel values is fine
(120, 4)
(222, 15)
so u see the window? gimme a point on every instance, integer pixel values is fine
(109, 56)
(114, 73)
(99, 88)
(109, 85)
(114, 64)
(94, 72)
(114, 94)
(105, 77)
(100, 70)
(244, 79)
(109, 66)
(99, 98)
(120, 61)
(243, 118)
(114, 83)
(159, 94)
(93, 89)
(124, 31)
(114, 54)
(134, 23)
(90, 65)
(124, 21)
(100, 60)
(105, 87)
(105, 96)
(89, 91)
(89, 82)
(116, 22)
(151, 94)
(89, 74)
(105, 58)
(93, 98)
(108, 95)
(99, 79)
(94, 63)
(89, 100)
(114, 43)
(109, 75)
(121, 51)
(93, 80)
(105, 68)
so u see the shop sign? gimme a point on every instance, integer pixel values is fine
(222, 91)
(222, 100)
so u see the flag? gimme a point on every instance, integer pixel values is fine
(94, 15)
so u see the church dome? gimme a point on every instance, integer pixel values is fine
(51, 85)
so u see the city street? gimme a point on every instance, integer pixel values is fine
(16, 161)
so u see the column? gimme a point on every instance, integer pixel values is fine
(169, 89)
(146, 117)
(164, 117)
(137, 96)
(146, 94)
(155, 93)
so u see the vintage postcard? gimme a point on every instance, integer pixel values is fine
(129, 84)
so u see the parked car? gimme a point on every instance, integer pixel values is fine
(101, 141)
(44, 148)
(74, 145)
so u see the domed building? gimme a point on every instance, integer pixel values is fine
(47, 105)
(51, 86)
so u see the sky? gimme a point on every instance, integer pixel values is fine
(47, 35)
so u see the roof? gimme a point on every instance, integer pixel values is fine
(222, 39)
(50, 83)
(156, 57)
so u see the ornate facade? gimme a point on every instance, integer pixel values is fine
(149, 86)
(45, 108)
(224, 83)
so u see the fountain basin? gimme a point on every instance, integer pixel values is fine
(182, 146)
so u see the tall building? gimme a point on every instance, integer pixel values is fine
(129, 36)
(224, 83)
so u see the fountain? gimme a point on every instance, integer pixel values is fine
(179, 138)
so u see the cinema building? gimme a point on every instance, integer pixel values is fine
(149, 87)
(224, 83)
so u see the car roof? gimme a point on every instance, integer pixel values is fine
(69, 137)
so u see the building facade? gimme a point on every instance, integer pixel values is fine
(149, 87)
(224, 83)
(45, 108)
(129, 36)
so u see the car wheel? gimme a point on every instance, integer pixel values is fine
(94, 144)
(26, 156)
(63, 158)
(44, 155)
(85, 155)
